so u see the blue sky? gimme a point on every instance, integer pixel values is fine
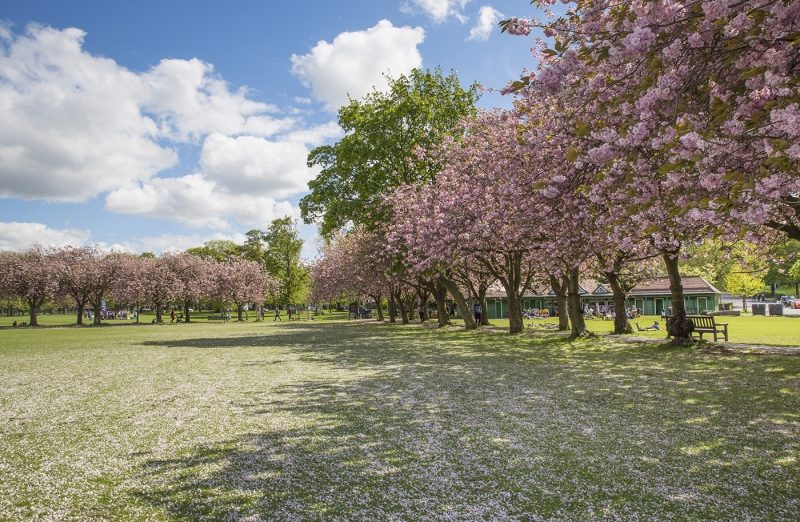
(154, 125)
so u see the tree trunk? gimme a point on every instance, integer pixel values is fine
(96, 309)
(392, 308)
(159, 313)
(461, 302)
(744, 303)
(412, 305)
(240, 313)
(424, 296)
(514, 311)
(403, 310)
(81, 305)
(33, 319)
(440, 295)
(621, 323)
(678, 326)
(574, 304)
(186, 318)
(484, 306)
(379, 307)
(559, 287)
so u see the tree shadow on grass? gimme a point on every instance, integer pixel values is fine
(343, 453)
(417, 425)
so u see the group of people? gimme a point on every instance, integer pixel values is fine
(600, 311)
(291, 313)
(536, 313)
(110, 314)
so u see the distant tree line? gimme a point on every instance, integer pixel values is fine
(266, 269)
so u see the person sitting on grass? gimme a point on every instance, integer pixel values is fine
(654, 326)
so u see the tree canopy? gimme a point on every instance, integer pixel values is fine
(387, 136)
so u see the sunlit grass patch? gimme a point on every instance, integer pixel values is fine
(354, 420)
(745, 329)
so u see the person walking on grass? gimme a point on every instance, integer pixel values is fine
(277, 315)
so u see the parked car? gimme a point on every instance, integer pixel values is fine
(787, 300)
(796, 304)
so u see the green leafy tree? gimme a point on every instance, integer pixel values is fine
(710, 260)
(282, 260)
(387, 136)
(714, 260)
(794, 274)
(782, 257)
(744, 284)
(253, 248)
(218, 249)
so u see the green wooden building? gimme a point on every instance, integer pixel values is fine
(650, 297)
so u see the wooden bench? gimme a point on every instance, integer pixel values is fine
(706, 324)
(218, 318)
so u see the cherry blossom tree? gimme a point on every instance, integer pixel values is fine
(102, 274)
(128, 287)
(155, 283)
(241, 282)
(353, 266)
(689, 111)
(417, 219)
(479, 209)
(194, 274)
(624, 266)
(31, 276)
(75, 266)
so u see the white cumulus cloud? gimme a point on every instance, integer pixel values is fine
(438, 10)
(18, 236)
(71, 124)
(252, 165)
(316, 135)
(75, 126)
(356, 62)
(488, 17)
(174, 242)
(190, 101)
(196, 202)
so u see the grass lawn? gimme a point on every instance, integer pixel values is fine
(745, 329)
(148, 317)
(352, 420)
